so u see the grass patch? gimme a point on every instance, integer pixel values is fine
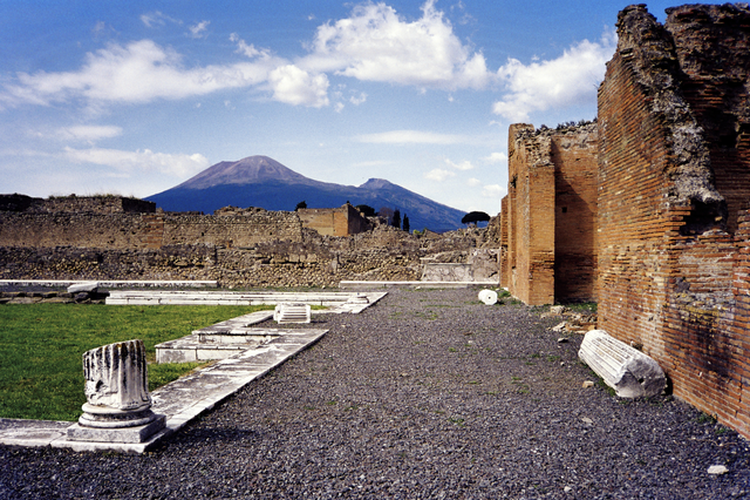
(41, 348)
(583, 307)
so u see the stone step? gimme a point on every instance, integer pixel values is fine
(354, 301)
(292, 313)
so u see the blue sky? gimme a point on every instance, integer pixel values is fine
(135, 97)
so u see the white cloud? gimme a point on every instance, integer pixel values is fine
(157, 18)
(295, 86)
(495, 191)
(439, 174)
(197, 30)
(570, 79)
(496, 158)
(473, 182)
(376, 44)
(137, 73)
(357, 100)
(90, 132)
(180, 165)
(248, 50)
(412, 137)
(464, 165)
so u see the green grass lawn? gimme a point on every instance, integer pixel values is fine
(41, 349)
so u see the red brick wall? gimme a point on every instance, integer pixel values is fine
(631, 221)
(575, 156)
(713, 48)
(673, 267)
(548, 217)
(531, 223)
(504, 258)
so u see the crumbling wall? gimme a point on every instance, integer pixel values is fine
(547, 248)
(386, 253)
(340, 221)
(712, 45)
(672, 237)
(531, 208)
(669, 222)
(231, 227)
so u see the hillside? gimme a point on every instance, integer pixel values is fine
(259, 181)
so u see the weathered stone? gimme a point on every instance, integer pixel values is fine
(118, 406)
(488, 297)
(717, 470)
(87, 287)
(292, 313)
(628, 371)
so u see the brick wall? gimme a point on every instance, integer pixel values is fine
(530, 210)
(575, 156)
(341, 221)
(672, 235)
(665, 209)
(549, 214)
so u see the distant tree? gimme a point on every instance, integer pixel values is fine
(474, 217)
(396, 219)
(406, 223)
(386, 213)
(366, 210)
(300, 205)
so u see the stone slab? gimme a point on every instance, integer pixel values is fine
(137, 434)
(373, 285)
(86, 286)
(180, 401)
(116, 283)
(195, 297)
(33, 433)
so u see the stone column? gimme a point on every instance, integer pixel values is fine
(118, 406)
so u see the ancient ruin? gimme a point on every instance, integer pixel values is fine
(112, 238)
(646, 212)
(118, 407)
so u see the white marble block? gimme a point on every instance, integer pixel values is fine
(118, 406)
(628, 371)
(488, 297)
(292, 313)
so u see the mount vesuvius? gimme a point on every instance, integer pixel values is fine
(260, 181)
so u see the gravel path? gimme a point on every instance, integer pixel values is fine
(428, 394)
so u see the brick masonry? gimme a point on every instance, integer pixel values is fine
(669, 223)
(548, 251)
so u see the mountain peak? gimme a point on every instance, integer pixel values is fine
(375, 183)
(250, 170)
(260, 181)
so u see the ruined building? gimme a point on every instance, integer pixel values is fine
(648, 214)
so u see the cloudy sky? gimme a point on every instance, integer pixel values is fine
(135, 97)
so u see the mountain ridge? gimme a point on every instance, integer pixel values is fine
(263, 182)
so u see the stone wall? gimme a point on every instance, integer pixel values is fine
(672, 234)
(88, 204)
(310, 259)
(110, 222)
(670, 223)
(548, 250)
(340, 221)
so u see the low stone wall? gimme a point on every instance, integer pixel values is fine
(382, 254)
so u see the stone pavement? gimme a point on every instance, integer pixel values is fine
(181, 400)
(189, 396)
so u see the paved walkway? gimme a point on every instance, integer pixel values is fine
(186, 398)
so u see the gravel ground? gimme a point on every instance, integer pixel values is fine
(428, 394)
